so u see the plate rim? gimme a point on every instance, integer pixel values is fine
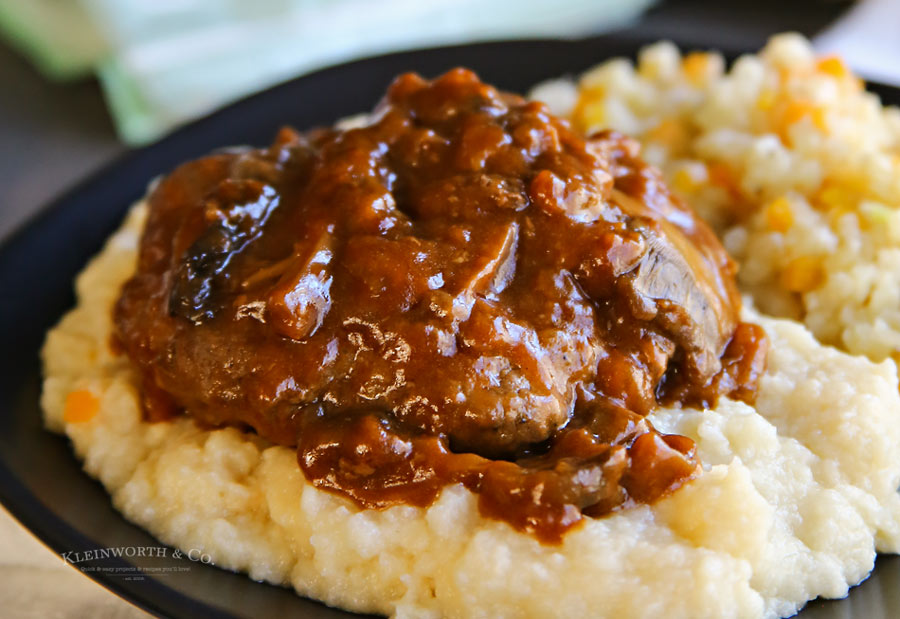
(17, 498)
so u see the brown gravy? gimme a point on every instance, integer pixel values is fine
(463, 291)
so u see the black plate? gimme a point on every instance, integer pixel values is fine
(41, 482)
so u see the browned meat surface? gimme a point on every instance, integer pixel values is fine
(464, 290)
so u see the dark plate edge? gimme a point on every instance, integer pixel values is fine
(16, 497)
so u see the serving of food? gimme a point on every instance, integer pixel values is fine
(623, 348)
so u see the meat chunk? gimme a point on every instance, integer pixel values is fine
(680, 299)
(680, 286)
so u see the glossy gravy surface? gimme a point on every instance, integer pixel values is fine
(462, 291)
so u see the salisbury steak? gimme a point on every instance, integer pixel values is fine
(463, 278)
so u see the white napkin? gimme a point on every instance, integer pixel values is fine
(868, 38)
(163, 62)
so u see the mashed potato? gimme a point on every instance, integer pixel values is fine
(798, 491)
(798, 494)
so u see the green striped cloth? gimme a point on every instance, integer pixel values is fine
(163, 62)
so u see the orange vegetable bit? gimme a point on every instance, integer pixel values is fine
(797, 110)
(81, 406)
(779, 216)
(833, 66)
(697, 67)
(766, 100)
(803, 274)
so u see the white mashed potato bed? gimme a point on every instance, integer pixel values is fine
(799, 170)
(798, 494)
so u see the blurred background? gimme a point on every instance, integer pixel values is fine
(85, 79)
(81, 81)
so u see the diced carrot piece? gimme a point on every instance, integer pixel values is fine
(820, 120)
(833, 66)
(803, 274)
(766, 100)
(779, 216)
(696, 66)
(81, 406)
(797, 110)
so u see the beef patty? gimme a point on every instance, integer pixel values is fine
(463, 290)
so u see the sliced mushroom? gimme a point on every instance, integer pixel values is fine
(496, 265)
(300, 300)
(489, 267)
